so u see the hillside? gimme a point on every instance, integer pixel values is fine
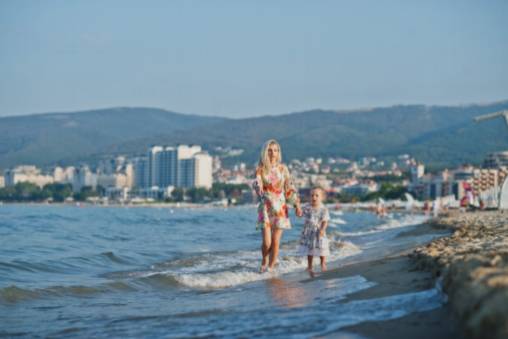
(45, 139)
(439, 135)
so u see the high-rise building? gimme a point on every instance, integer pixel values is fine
(84, 177)
(129, 175)
(168, 167)
(417, 171)
(180, 166)
(154, 167)
(140, 167)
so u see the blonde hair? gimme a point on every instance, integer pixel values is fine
(321, 191)
(264, 161)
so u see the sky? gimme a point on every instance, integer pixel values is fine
(250, 58)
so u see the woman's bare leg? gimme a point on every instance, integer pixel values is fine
(276, 235)
(266, 247)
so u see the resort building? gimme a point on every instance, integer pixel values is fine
(64, 175)
(26, 174)
(180, 166)
(496, 160)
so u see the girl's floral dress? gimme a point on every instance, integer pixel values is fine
(278, 192)
(310, 241)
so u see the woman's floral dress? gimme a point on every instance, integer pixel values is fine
(311, 243)
(278, 192)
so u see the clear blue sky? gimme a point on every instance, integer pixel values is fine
(247, 58)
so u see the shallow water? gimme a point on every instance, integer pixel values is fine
(67, 271)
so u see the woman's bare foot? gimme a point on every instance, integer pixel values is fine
(311, 272)
(264, 264)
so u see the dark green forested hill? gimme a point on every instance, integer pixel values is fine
(439, 135)
(65, 137)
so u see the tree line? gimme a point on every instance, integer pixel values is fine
(57, 192)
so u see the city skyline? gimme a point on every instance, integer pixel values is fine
(241, 60)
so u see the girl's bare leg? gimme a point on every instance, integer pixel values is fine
(276, 235)
(266, 247)
(323, 263)
(310, 259)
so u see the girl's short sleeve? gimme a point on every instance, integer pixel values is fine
(326, 215)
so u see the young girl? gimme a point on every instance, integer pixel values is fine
(275, 189)
(313, 240)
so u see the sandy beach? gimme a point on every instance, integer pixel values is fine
(396, 275)
(473, 265)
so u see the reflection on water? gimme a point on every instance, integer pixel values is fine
(288, 294)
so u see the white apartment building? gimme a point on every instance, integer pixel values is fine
(26, 174)
(84, 177)
(64, 175)
(180, 166)
(203, 170)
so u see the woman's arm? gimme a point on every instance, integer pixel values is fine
(258, 183)
(291, 193)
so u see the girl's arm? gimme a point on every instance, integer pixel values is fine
(324, 222)
(322, 229)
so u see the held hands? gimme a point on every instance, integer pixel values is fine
(298, 209)
(322, 232)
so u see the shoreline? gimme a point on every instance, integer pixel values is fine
(395, 275)
(350, 208)
(473, 266)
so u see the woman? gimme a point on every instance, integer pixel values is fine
(274, 187)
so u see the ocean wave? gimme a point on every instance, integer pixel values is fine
(337, 221)
(64, 265)
(389, 224)
(13, 294)
(240, 268)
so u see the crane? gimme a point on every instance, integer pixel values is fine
(493, 116)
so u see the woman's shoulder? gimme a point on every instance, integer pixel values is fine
(259, 170)
(283, 168)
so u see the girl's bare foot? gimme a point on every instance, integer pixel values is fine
(323, 268)
(262, 269)
(311, 272)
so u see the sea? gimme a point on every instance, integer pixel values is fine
(145, 272)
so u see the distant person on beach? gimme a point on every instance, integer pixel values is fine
(436, 206)
(274, 187)
(380, 208)
(313, 240)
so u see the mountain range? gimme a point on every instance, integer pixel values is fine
(437, 135)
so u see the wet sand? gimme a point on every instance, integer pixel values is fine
(396, 275)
